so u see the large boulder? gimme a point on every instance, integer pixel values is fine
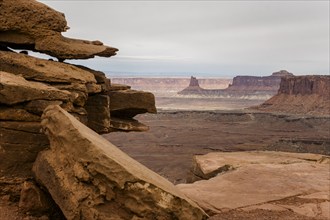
(37, 27)
(128, 103)
(89, 178)
(273, 181)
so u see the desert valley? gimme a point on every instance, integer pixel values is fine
(79, 143)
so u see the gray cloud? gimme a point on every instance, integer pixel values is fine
(212, 37)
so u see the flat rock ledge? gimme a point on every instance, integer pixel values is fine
(252, 182)
(89, 178)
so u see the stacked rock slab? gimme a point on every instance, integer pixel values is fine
(102, 182)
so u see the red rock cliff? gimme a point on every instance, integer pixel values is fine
(266, 83)
(305, 85)
(301, 95)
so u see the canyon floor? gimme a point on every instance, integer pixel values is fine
(176, 136)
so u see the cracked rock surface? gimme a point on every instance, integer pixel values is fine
(275, 181)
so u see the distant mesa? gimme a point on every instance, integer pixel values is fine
(282, 73)
(260, 87)
(301, 95)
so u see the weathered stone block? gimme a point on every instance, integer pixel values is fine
(128, 103)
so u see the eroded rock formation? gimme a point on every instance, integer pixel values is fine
(40, 30)
(28, 85)
(103, 182)
(301, 95)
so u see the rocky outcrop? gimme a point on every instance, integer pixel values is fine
(255, 87)
(28, 85)
(40, 30)
(104, 183)
(301, 95)
(273, 181)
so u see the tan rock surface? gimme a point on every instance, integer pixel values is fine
(36, 69)
(20, 144)
(261, 178)
(16, 114)
(98, 110)
(15, 89)
(42, 32)
(102, 182)
(211, 162)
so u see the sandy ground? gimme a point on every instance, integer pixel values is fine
(174, 137)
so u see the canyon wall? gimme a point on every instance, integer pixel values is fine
(255, 87)
(301, 95)
(258, 83)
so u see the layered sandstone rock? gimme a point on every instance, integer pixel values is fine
(28, 85)
(275, 181)
(301, 95)
(259, 83)
(104, 183)
(37, 27)
(15, 89)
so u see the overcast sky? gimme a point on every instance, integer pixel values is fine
(214, 38)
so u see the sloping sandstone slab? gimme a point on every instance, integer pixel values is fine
(260, 178)
(89, 178)
(15, 89)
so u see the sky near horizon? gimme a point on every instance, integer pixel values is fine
(211, 38)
